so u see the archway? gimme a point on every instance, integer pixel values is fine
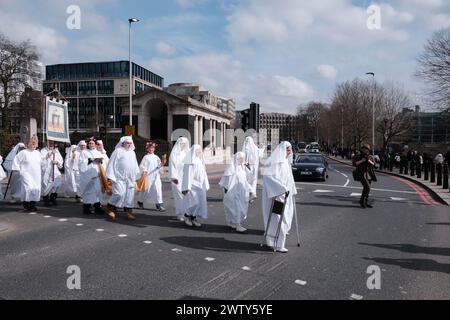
(157, 110)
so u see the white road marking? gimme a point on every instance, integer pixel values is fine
(33, 213)
(79, 224)
(47, 216)
(147, 242)
(122, 235)
(99, 230)
(356, 297)
(350, 187)
(346, 184)
(300, 282)
(62, 220)
(177, 250)
(398, 199)
(355, 195)
(323, 191)
(209, 259)
(245, 268)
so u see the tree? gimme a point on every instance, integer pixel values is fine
(17, 65)
(434, 67)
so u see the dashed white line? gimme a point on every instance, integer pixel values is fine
(79, 224)
(62, 220)
(245, 268)
(209, 259)
(47, 217)
(300, 282)
(99, 230)
(355, 195)
(122, 235)
(148, 242)
(356, 297)
(176, 250)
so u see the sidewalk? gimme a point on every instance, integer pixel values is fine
(442, 194)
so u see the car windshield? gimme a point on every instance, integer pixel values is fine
(310, 159)
(302, 145)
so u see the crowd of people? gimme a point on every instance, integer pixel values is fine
(109, 185)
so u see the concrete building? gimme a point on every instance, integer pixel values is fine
(287, 125)
(97, 91)
(162, 113)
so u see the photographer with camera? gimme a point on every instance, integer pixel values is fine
(364, 173)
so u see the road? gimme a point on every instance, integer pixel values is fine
(406, 235)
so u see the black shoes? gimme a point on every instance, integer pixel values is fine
(87, 209)
(98, 208)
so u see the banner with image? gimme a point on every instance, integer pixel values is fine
(57, 120)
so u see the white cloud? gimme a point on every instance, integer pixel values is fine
(226, 76)
(165, 48)
(327, 72)
(189, 3)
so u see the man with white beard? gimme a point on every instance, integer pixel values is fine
(278, 182)
(237, 192)
(70, 166)
(28, 163)
(52, 162)
(15, 184)
(150, 166)
(253, 155)
(195, 185)
(123, 171)
(176, 164)
(90, 188)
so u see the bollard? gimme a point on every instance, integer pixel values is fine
(426, 168)
(433, 173)
(445, 177)
(439, 174)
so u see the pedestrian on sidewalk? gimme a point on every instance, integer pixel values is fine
(365, 172)
(150, 167)
(123, 171)
(195, 187)
(28, 163)
(51, 175)
(176, 164)
(236, 192)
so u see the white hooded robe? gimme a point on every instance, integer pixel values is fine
(29, 164)
(176, 165)
(151, 164)
(2, 177)
(51, 174)
(253, 155)
(70, 166)
(277, 180)
(90, 187)
(15, 186)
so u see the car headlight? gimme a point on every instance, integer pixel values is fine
(320, 170)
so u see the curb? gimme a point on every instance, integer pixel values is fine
(424, 186)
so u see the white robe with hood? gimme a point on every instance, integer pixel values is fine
(253, 155)
(277, 180)
(90, 187)
(104, 155)
(237, 194)
(151, 164)
(195, 180)
(70, 166)
(123, 171)
(176, 164)
(2, 177)
(51, 174)
(15, 186)
(29, 164)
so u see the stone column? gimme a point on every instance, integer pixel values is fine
(200, 137)
(196, 130)
(169, 126)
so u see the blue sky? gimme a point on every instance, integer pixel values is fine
(278, 53)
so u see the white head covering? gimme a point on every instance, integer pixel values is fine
(125, 139)
(278, 156)
(82, 143)
(100, 142)
(176, 150)
(251, 150)
(234, 166)
(191, 156)
(12, 154)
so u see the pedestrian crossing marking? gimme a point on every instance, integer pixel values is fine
(355, 195)
(323, 191)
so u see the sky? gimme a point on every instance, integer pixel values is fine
(278, 53)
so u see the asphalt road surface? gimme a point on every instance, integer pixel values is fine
(406, 235)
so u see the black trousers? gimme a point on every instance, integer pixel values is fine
(366, 190)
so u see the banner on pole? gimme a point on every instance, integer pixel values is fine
(57, 120)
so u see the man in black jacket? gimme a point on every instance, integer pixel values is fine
(365, 171)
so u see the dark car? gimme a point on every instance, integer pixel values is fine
(310, 165)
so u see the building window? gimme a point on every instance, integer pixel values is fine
(73, 113)
(106, 87)
(87, 111)
(88, 88)
(69, 88)
(106, 111)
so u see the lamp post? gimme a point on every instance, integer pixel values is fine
(373, 110)
(130, 21)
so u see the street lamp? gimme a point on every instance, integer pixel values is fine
(130, 21)
(373, 110)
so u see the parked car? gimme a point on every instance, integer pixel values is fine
(310, 165)
(314, 147)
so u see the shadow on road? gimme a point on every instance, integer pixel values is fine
(322, 204)
(216, 244)
(411, 248)
(414, 264)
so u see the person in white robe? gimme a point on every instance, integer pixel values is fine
(29, 165)
(195, 186)
(176, 164)
(123, 171)
(15, 184)
(101, 148)
(51, 174)
(278, 182)
(150, 166)
(236, 192)
(70, 166)
(82, 145)
(253, 154)
(3, 176)
(90, 187)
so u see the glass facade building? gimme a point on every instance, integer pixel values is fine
(97, 91)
